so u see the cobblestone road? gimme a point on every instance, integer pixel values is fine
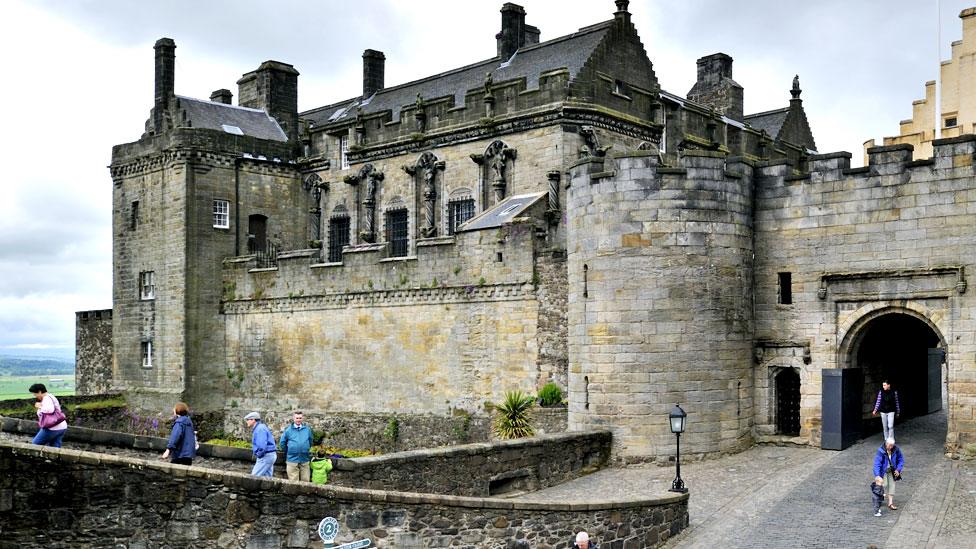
(789, 497)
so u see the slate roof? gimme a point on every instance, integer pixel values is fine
(223, 117)
(771, 121)
(570, 52)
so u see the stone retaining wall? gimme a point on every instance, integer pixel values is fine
(483, 469)
(479, 469)
(68, 498)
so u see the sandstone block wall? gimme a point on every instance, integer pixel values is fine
(660, 312)
(895, 236)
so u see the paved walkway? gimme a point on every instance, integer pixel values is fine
(788, 497)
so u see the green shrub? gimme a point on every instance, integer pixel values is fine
(513, 418)
(392, 431)
(550, 395)
(234, 443)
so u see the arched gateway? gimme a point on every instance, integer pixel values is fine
(903, 345)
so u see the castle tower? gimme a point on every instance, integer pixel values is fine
(660, 311)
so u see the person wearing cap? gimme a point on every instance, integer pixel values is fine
(583, 542)
(262, 445)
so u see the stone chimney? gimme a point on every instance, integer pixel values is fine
(512, 35)
(273, 87)
(715, 87)
(222, 96)
(374, 67)
(165, 81)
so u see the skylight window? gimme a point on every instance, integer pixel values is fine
(232, 129)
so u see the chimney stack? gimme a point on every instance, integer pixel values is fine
(512, 35)
(374, 67)
(715, 87)
(222, 96)
(165, 80)
(273, 87)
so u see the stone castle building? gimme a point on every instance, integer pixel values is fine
(958, 99)
(549, 214)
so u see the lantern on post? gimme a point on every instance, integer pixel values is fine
(677, 419)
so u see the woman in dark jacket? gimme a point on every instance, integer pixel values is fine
(182, 445)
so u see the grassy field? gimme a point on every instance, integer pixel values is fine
(16, 386)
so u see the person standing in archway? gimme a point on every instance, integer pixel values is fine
(888, 405)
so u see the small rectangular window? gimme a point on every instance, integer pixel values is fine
(786, 288)
(950, 122)
(134, 215)
(338, 238)
(221, 214)
(396, 232)
(344, 152)
(147, 354)
(458, 212)
(147, 285)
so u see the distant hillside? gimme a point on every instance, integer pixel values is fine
(24, 366)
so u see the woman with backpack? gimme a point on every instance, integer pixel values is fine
(50, 418)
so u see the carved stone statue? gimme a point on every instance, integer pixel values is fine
(496, 160)
(591, 145)
(427, 166)
(488, 83)
(372, 177)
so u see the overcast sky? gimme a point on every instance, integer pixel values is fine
(78, 78)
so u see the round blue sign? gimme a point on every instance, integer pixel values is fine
(328, 529)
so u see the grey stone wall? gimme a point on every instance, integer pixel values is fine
(893, 237)
(485, 469)
(93, 352)
(660, 306)
(61, 498)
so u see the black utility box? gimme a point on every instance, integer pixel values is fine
(842, 393)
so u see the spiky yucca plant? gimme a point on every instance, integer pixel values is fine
(512, 417)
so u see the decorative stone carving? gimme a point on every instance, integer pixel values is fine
(489, 96)
(552, 212)
(496, 159)
(314, 185)
(419, 115)
(591, 145)
(427, 166)
(372, 177)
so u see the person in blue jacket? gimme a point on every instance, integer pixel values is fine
(262, 445)
(182, 445)
(296, 443)
(888, 464)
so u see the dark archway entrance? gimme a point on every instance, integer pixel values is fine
(788, 402)
(906, 351)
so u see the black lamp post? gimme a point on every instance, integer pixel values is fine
(677, 417)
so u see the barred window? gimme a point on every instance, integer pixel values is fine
(459, 211)
(338, 237)
(221, 214)
(344, 152)
(147, 354)
(147, 285)
(396, 232)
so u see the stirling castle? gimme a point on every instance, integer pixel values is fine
(550, 214)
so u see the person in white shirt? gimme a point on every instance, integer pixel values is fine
(50, 418)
